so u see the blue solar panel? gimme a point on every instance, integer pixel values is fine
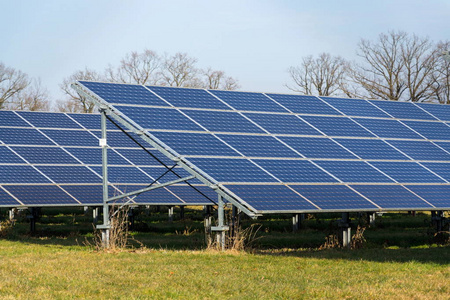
(304, 104)
(430, 130)
(391, 196)
(53, 195)
(48, 120)
(194, 98)
(444, 145)
(335, 126)
(160, 118)
(8, 157)
(271, 197)
(421, 150)
(440, 111)
(295, 170)
(6, 199)
(317, 147)
(355, 107)
(442, 169)
(93, 156)
(189, 195)
(72, 137)
(20, 174)
(9, 118)
(195, 144)
(124, 93)
(353, 171)
(45, 155)
(333, 197)
(437, 195)
(89, 194)
(388, 128)
(91, 121)
(402, 110)
(371, 149)
(223, 121)
(141, 157)
(18, 136)
(248, 101)
(127, 175)
(154, 196)
(407, 172)
(120, 139)
(232, 170)
(258, 146)
(282, 124)
(70, 174)
(156, 172)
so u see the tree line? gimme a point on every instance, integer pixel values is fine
(395, 66)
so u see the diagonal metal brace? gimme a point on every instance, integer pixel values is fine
(151, 188)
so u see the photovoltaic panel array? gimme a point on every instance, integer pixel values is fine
(293, 153)
(54, 159)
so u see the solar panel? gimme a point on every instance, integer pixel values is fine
(272, 153)
(51, 159)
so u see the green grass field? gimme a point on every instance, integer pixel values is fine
(399, 260)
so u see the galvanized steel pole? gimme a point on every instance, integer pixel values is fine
(106, 221)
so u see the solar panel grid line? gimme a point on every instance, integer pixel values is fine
(304, 197)
(11, 195)
(424, 110)
(367, 199)
(384, 173)
(431, 171)
(418, 196)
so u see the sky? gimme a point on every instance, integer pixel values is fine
(253, 41)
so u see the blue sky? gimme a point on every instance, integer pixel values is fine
(253, 41)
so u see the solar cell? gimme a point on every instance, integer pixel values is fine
(333, 197)
(70, 174)
(304, 104)
(6, 199)
(91, 121)
(388, 128)
(20, 174)
(195, 144)
(355, 107)
(160, 118)
(295, 170)
(141, 157)
(430, 130)
(407, 172)
(335, 126)
(194, 98)
(19, 136)
(353, 171)
(128, 175)
(162, 196)
(44, 155)
(442, 169)
(8, 157)
(93, 156)
(248, 101)
(421, 150)
(317, 147)
(232, 170)
(89, 194)
(402, 110)
(437, 195)
(53, 195)
(371, 149)
(71, 137)
(124, 93)
(9, 118)
(258, 146)
(282, 124)
(48, 120)
(271, 197)
(442, 112)
(391, 196)
(223, 121)
(189, 196)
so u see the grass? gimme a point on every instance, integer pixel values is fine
(399, 261)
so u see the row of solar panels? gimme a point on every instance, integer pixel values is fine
(284, 153)
(61, 164)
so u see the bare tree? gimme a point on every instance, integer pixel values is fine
(218, 80)
(322, 76)
(381, 73)
(139, 68)
(441, 75)
(12, 82)
(34, 98)
(180, 70)
(73, 101)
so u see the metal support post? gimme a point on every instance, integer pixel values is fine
(105, 227)
(297, 220)
(147, 210)
(182, 212)
(85, 210)
(33, 218)
(344, 225)
(12, 214)
(131, 216)
(371, 218)
(221, 227)
(94, 215)
(170, 213)
(207, 223)
(235, 220)
(438, 219)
